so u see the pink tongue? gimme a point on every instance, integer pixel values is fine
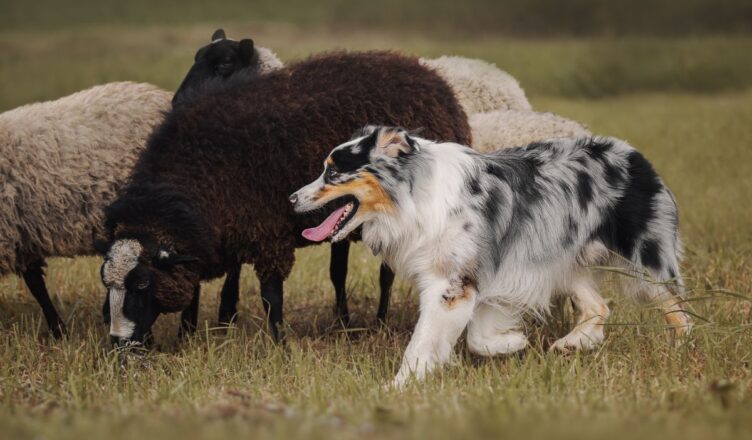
(324, 230)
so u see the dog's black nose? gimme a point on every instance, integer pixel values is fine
(294, 198)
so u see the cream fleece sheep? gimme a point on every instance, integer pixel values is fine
(63, 161)
(479, 86)
(510, 128)
(268, 61)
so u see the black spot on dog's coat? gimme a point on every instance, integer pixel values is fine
(584, 189)
(473, 186)
(625, 223)
(649, 255)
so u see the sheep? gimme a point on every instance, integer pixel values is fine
(53, 204)
(511, 128)
(61, 163)
(211, 188)
(479, 86)
(221, 58)
(216, 62)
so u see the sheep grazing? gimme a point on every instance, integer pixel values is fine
(511, 128)
(61, 163)
(211, 187)
(478, 85)
(216, 62)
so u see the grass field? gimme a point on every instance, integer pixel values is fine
(685, 102)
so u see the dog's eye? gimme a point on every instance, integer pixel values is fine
(143, 285)
(331, 173)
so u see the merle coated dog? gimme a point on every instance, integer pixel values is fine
(489, 237)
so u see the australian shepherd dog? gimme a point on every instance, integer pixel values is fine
(487, 238)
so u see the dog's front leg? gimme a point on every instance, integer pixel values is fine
(446, 306)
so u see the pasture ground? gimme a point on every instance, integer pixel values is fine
(686, 103)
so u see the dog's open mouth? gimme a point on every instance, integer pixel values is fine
(334, 222)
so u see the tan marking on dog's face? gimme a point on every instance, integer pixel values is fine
(365, 187)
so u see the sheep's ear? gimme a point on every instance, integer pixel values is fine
(166, 259)
(246, 51)
(393, 141)
(101, 246)
(219, 34)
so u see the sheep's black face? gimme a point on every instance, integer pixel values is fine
(218, 59)
(141, 284)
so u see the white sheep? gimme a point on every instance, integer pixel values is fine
(478, 85)
(61, 163)
(509, 128)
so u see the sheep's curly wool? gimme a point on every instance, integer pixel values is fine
(510, 128)
(478, 85)
(63, 161)
(237, 152)
(268, 61)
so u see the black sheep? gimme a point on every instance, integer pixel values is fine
(211, 188)
(218, 61)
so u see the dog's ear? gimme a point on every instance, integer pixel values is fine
(219, 34)
(393, 141)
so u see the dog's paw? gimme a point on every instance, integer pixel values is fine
(505, 343)
(588, 338)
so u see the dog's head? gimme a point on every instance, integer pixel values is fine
(356, 173)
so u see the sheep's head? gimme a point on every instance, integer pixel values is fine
(144, 280)
(219, 59)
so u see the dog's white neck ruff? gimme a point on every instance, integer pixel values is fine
(121, 259)
(412, 240)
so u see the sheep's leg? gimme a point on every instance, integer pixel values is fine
(228, 306)
(189, 317)
(272, 297)
(386, 279)
(338, 275)
(34, 278)
(106, 318)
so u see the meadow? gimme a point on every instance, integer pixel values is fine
(685, 101)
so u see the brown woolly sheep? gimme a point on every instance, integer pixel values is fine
(211, 188)
(61, 163)
(216, 62)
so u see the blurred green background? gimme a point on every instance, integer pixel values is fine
(578, 48)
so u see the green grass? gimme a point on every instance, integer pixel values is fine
(328, 382)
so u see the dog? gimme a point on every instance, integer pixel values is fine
(487, 238)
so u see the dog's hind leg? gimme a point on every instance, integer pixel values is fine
(592, 313)
(494, 330)
(446, 307)
(668, 296)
